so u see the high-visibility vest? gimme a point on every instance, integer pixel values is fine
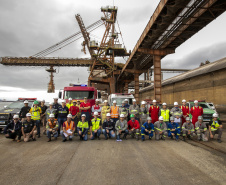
(35, 113)
(95, 124)
(214, 126)
(165, 114)
(69, 126)
(83, 125)
(52, 125)
(114, 111)
(69, 105)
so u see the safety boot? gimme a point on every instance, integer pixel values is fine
(183, 138)
(219, 140)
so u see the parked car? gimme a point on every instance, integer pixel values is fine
(212, 106)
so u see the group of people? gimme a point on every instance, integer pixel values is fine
(113, 121)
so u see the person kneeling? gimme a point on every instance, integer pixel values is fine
(188, 129)
(173, 129)
(52, 127)
(95, 128)
(134, 127)
(13, 129)
(201, 129)
(160, 129)
(108, 127)
(82, 128)
(215, 127)
(29, 129)
(147, 129)
(68, 129)
(121, 127)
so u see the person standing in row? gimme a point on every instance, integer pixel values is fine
(154, 111)
(123, 110)
(96, 108)
(127, 105)
(105, 109)
(165, 113)
(177, 113)
(114, 112)
(62, 113)
(85, 109)
(79, 113)
(143, 113)
(43, 115)
(56, 105)
(70, 103)
(36, 116)
(24, 110)
(185, 110)
(74, 111)
(50, 110)
(196, 111)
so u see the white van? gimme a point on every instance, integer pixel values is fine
(119, 97)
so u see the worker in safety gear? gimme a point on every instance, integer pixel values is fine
(82, 128)
(13, 129)
(123, 110)
(173, 129)
(70, 103)
(68, 129)
(24, 110)
(188, 129)
(108, 127)
(79, 113)
(177, 113)
(133, 127)
(185, 110)
(121, 127)
(56, 105)
(147, 129)
(74, 111)
(105, 109)
(196, 111)
(43, 115)
(36, 116)
(134, 109)
(154, 111)
(62, 113)
(50, 110)
(96, 108)
(85, 108)
(95, 128)
(165, 113)
(29, 129)
(114, 111)
(127, 106)
(160, 129)
(143, 113)
(201, 129)
(52, 127)
(215, 127)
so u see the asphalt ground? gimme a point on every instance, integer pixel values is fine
(110, 162)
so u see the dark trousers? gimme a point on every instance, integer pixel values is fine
(13, 135)
(87, 115)
(60, 123)
(76, 123)
(37, 124)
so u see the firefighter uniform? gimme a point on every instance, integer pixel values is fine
(96, 108)
(150, 132)
(95, 124)
(105, 109)
(201, 131)
(153, 112)
(185, 110)
(196, 112)
(160, 127)
(124, 111)
(135, 110)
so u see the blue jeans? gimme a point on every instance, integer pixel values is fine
(63, 136)
(76, 123)
(37, 124)
(60, 123)
(125, 134)
(143, 133)
(110, 134)
(176, 133)
(82, 133)
(50, 132)
(87, 115)
(98, 134)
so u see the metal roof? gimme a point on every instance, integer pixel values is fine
(207, 68)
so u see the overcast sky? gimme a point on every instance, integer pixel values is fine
(28, 27)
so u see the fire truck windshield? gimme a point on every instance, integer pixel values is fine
(77, 95)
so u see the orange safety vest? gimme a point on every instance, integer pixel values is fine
(69, 126)
(114, 112)
(52, 125)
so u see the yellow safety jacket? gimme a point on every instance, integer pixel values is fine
(68, 105)
(35, 113)
(83, 125)
(165, 114)
(95, 124)
(214, 126)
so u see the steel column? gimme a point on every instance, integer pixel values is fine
(136, 85)
(157, 77)
(126, 87)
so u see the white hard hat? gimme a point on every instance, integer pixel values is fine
(97, 100)
(63, 101)
(28, 114)
(51, 103)
(175, 103)
(149, 118)
(122, 115)
(95, 114)
(108, 114)
(154, 101)
(55, 98)
(114, 101)
(105, 101)
(70, 99)
(171, 118)
(43, 101)
(83, 115)
(164, 104)
(15, 116)
(69, 116)
(183, 101)
(123, 101)
(52, 116)
(134, 100)
(160, 118)
(126, 100)
(215, 115)
(200, 117)
(143, 102)
(187, 119)
(25, 101)
(196, 101)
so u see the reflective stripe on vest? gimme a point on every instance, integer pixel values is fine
(95, 124)
(52, 125)
(83, 125)
(165, 114)
(69, 126)
(35, 113)
(214, 126)
(114, 112)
